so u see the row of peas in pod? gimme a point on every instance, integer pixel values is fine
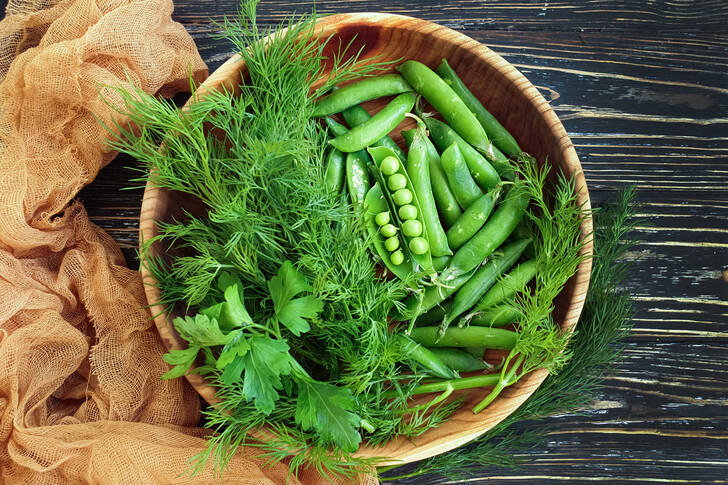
(449, 206)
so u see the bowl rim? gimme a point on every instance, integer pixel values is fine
(409, 449)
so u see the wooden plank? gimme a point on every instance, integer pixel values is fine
(578, 16)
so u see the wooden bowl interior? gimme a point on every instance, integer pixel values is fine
(509, 96)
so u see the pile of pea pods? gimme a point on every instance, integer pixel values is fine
(449, 207)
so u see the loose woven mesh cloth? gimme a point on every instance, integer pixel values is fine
(81, 400)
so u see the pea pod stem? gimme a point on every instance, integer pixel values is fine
(435, 315)
(509, 375)
(432, 296)
(364, 135)
(427, 405)
(492, 338)
(498, 135)
(487, 380)
(360, 91)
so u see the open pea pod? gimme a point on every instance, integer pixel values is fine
(375, 203)
(417, 242)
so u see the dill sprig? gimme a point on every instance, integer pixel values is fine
(555, 217)
(605, 322)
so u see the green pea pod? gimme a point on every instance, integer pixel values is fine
(499, 226)
(432, 296)
(492, 338)
(357, 115)
(419, 172)
(336, 128)
(460, 360)
(335, 171)
(435, 315)
(375, 203)
(441, 96)
(472, 219)
(364, 135)
(524, 230)
(440, 262)
(498, 316)
(425, 357)
(378, 154)
(477, 352)
(484, 278)
(359, 92)
(443, 136)
(357, 176)
(509, 285)
(447, 204)
(495, 131)
(461, 182)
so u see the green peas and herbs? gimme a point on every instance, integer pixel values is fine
(318, 237)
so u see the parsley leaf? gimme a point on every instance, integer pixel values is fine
(264, 363)
(181, 359)
(201, 330)
(292, 315)
(325, 408)
(231, 313)
(237, 347)
(293, 312)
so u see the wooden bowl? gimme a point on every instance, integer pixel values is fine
(511, 98)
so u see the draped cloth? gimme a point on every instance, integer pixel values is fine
(81, 399)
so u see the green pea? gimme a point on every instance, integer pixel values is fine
(412, 228)
(397, 257)
(382, 218)
(389, 166)
(391, 243)
(407, 212)
(388, 230)
(396, 182)
(402, 197)
(419, 245)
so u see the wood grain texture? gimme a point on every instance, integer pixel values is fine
(645, 103)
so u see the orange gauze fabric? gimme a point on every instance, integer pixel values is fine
(81, 399)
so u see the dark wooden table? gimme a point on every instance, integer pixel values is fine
(642, 88)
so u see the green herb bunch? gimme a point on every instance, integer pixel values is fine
(605, 322)
(286, 313)
(284, 305)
